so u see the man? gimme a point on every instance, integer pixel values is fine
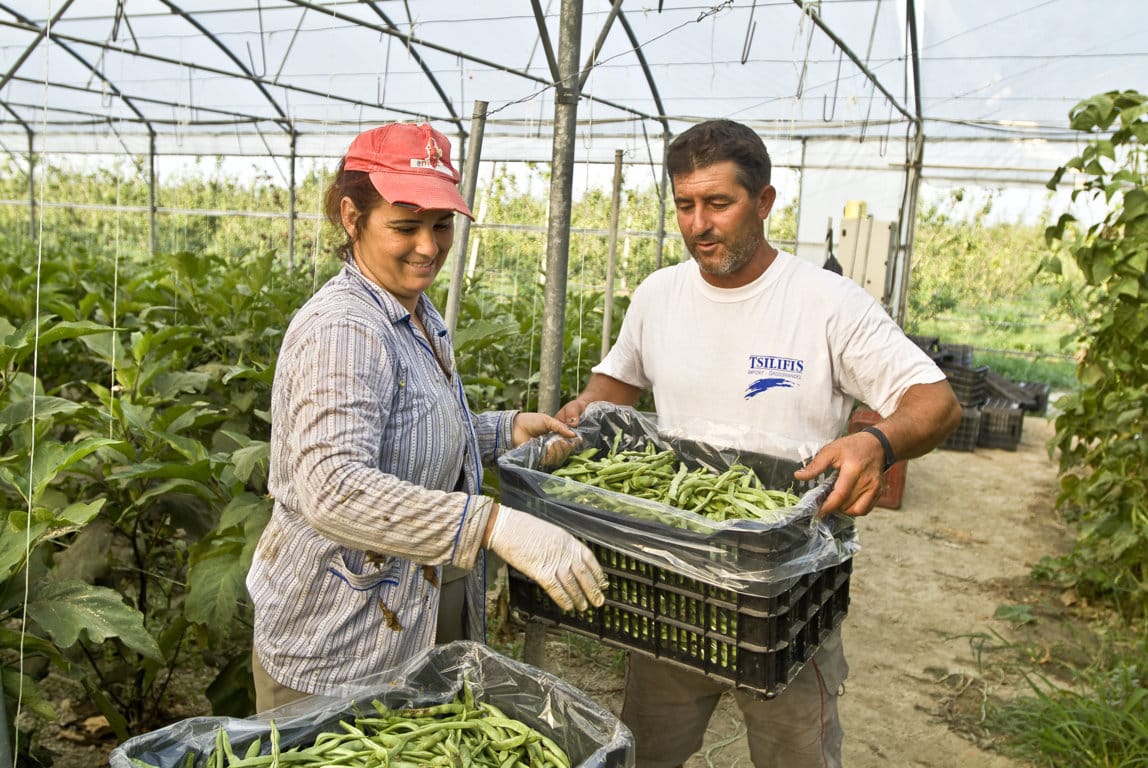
(749, 347)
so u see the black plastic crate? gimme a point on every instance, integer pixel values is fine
(753, 557)
(964, 437)
(1039, 393)
(955, 354)
(757, 644)
(1004, 387)
(1001, 424)
(970, 385)
(930, 344)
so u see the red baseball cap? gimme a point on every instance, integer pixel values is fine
(409, 165)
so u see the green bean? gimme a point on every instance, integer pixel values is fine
(460, 732)
(734, 494)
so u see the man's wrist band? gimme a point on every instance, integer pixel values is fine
(890, 458)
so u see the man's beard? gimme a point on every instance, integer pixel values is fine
(735, 254)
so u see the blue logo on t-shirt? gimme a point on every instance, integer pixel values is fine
(786, 373)
(761, 385)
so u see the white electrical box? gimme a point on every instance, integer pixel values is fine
(865, 248)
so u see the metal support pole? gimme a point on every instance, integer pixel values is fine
(662, 201)
(558, 228)
(291, 201)
(612, 255)
(151, 201)
(558, 243)
(899, 291)
(31, 187)
(462, 231)
(800, 199)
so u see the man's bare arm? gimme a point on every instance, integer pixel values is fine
(925, 416)
(599, 387)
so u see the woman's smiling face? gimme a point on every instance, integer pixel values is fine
(399, 249)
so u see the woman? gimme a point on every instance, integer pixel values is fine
(374, 549)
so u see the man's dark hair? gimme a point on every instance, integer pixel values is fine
(716, 141)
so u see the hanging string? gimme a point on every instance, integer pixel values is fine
(32, 417)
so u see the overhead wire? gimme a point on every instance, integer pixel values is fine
(709, 11)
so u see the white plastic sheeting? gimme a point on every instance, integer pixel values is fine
(837, 88)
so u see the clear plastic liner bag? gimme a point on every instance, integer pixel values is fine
(591, 736)
(754, 557)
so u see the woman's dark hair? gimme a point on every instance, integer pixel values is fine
(357, 186)
(716, 141)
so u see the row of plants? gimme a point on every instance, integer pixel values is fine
(1103, 422)
(133, 456)
(980, 283)
(1093, 711)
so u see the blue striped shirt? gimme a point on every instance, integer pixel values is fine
(376, 464)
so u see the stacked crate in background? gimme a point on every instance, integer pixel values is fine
(993, 406)
(970, 386)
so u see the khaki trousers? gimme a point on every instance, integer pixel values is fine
(668, 708)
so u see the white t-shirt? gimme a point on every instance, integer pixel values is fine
(771, 367)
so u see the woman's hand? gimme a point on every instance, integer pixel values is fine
(528, 425)
(562, 443)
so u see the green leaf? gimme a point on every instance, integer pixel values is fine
(190, 448)
(107, 346)
(1095, 112)
(245, 507)
(17, 542)
(483, 333)
(65, 610)
(52, 458)
(20, 411)
(21, 343)
(108, 709)
(232, 692)
(245, 459)
(1125, 286)
(1015, 614)
(80, 513)
(260, 373)
(72, 330)
(216, 587)
(22, 688)
(174, 485)
(171, 384)
(200, 471)
(30, 645)
(1135, 204)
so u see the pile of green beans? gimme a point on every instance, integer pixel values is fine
(457, 733)
(735, 494)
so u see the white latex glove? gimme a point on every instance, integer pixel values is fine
(558, 562)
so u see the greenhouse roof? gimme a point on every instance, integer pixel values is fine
(250, 77)
(864, 104)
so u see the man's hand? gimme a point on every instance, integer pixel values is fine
(858, 459)
(571, 413)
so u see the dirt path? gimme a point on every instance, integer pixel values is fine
(929, 576)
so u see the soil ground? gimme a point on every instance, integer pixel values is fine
(926, 587)
(925, 593)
